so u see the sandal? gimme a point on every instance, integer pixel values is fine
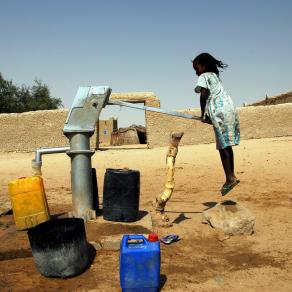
(170, 239)
(228, 187)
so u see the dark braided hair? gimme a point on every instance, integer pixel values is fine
(209, 62)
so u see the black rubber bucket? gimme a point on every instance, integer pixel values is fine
(121, 194)
(60, 248)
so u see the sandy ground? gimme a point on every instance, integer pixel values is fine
(200, 261)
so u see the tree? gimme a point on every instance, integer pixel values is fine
(14, 99)
(8, 94)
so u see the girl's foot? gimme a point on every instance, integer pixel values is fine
(228, 186)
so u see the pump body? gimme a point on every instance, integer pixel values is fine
(79, 127)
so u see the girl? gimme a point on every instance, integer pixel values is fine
(218, 109)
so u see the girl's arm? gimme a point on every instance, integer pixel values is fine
(203, 100)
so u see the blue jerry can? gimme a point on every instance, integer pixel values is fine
(140, 263)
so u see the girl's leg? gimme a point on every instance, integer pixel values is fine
(227, 160)
(224, 155)
(231, 159)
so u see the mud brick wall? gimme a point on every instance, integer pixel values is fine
(26, 132)
(278, 99)
(255, 122)
(29, 131)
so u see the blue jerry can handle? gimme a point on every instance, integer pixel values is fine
(126, 238)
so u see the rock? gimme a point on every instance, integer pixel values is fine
(230, 217)
(219, 279)
(96, 245)
(112, 242)
(5, 206)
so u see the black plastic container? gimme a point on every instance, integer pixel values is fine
(60, 248)
(121, 194)
(95, 190)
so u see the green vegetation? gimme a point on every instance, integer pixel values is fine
(19, 99)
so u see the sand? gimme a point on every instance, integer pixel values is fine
(202, 260)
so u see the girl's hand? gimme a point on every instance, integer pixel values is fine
(206, 120)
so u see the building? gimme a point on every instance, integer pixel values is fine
(129, 136)
(104, 130)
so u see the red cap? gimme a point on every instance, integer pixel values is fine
(152, 237)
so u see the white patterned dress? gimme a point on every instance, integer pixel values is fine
(221, 110)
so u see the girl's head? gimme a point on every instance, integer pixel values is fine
(207, 63)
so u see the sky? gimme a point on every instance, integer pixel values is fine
(132, 45)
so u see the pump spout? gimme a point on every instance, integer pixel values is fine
(37, 162)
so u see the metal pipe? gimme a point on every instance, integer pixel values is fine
(81, 175)
(154, 109)
(36, 163)
(39, 152)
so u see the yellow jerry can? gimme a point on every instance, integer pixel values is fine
(28, 200)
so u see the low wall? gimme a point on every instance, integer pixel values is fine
(31, 130)
(28, 131)
(278, 99)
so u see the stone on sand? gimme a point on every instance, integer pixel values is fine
(5, 206)
(230, 217)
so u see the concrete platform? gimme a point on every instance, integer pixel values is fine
(108, 234)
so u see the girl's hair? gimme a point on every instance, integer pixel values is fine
(211, 64)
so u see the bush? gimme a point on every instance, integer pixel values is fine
(14, 99)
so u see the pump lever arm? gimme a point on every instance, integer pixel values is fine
(153, 109)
